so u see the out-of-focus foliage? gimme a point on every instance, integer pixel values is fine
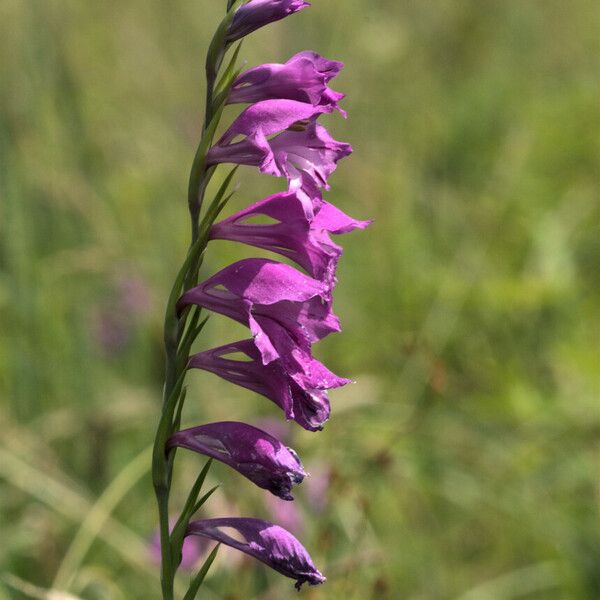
(464, 463)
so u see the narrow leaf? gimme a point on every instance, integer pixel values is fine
(178, 533)
(204, 498)
(189, 338)
(199, 579)
(178, 411)
(226, 80)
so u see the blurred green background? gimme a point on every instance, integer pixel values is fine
(465, 461)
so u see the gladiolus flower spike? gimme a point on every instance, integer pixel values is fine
(286, 309)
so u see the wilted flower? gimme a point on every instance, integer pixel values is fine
(303, 77)
(257, 13)
(301, 394)
(269, 543)
(254, 453)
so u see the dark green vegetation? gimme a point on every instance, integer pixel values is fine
(465, 461)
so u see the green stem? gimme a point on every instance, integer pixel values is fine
(167, 573)
(199, 175)
(211, 77)
(175, 324)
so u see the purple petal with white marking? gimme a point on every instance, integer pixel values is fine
(269, 543)
(260, 457)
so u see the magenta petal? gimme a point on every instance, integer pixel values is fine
(306, 243)
(309, 157)
(257, 13)
(304, 152)
(307, 323)
(304, 77)
(290, 234)
(260, 457)
(332, 219)
(253, 151)
(259, 293)
(298, 384)
(269, 117)
(269, 543)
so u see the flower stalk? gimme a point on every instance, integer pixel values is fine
(287, 311)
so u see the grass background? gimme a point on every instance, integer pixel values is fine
(465, 461)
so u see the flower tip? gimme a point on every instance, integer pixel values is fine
(316, 578)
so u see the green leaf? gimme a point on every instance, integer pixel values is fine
(199, 579)
(227, 78)
(178, 411)
(223, 188)
(171, 320)
(216, 206)
(199, 163)
(190, 337)
(165, 428)
(219, 45)
(178, 533)
(204, 498)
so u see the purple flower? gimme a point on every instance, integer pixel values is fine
(269, 117)
(303, 77)
(307, 157)
(257, 13)
(300, 392)
(291, 235)
(268, 297)
(260, 457)
(269, 543)
(304, 152)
